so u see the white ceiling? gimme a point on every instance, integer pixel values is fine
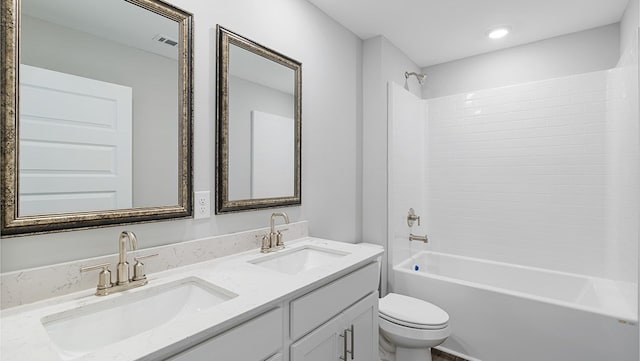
(115, 20)
(436, 31)
(260, 70)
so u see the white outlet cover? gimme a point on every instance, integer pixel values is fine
(202, 202)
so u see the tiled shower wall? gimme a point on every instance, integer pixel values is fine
(622, 173)
(407, 147)
(542, 174)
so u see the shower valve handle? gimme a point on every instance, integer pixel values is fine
(412, 217)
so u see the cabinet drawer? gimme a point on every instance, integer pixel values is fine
(317, 307)
(253, 340)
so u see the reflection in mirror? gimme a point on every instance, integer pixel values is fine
(258, 126)
(98, 107)
(102, 114)
(261, 130)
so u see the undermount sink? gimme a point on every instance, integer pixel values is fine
(84, 329)
(298, 260)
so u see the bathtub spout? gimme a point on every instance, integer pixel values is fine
(413, 237)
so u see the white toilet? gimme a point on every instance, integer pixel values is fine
(409, 327)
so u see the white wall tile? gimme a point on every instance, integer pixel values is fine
(542, 174)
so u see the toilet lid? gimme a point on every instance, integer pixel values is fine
(412, 325)
(412, 312)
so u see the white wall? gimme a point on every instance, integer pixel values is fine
(585, 51)
(637, 29)
(637, 46)
(331, 59)
(629, 28)
(629, 35)
(623, 146)
(382, 63)
(622, 178)
(245, 97)
(155, 105)
(407, 166)
(534, 174)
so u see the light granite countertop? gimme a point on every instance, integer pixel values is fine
(23, 336)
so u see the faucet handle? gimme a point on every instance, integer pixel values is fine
(265, 246)
(138, 267)
(104, 278)
(412, 217)
(145, 256)
(280, 238)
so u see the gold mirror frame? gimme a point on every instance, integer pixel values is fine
(13, 224)
(223, 203)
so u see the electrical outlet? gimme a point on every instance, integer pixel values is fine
(202, 206)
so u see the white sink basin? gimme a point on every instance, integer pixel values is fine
(81, 330)
(299, 259)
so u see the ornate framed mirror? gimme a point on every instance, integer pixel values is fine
(96, 114)
(258, 126)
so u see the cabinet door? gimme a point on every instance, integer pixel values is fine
(323, 344)
(353, 333)
(254, 340)
(361, 321)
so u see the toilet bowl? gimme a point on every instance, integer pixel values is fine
(409, 327)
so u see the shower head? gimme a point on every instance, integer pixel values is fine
(421, 77)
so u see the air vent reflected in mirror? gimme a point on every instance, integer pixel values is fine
(165, 40)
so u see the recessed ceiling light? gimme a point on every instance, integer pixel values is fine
(499, 32)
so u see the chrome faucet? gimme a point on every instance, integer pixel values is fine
(274, 240)
(123, 281)
(123, 265)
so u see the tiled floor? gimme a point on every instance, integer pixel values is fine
(442, 356)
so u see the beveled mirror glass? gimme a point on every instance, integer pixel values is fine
(97, 113)
(258, 126)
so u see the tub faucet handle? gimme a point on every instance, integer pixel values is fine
(412, 217)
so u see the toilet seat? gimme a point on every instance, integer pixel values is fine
(412, 325)
(412, 312)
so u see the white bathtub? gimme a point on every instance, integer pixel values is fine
(506, 312)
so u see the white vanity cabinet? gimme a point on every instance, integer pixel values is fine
(258, 339)
(342, 318)
(333, 322)
(352, 335)
(315, 300)
(362, 323)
